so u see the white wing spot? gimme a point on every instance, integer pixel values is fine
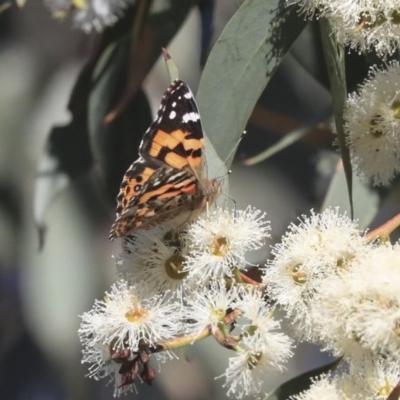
(172, 115)
(174, 104)
(188, 95)
(176, 176)
(192, 116)
(179, 97)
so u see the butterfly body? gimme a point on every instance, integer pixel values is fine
(169, 181)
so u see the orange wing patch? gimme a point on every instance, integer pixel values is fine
(133, 182)
(176, 148)
(169, 148)
(194, 149)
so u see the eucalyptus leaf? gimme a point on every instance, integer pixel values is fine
(308, 52)
(206, 8)
(290, 138)
(366, 198)
(166, 23)
(240, 65)
(301, 382)
(173, 71)
(67, 156)
(115, 144)
(334, 55)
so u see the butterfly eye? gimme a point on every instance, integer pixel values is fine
(137, 188)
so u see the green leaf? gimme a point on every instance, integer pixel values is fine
(67, 154)
(307, 51)
(301, 382)
(165, 24)
(334, 55)
(290, 138)
(172, 69)
(365, 197)
(115, 144)
(240, 65)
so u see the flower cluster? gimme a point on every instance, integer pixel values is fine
(359, 312)
(361, 24)
(89, 15)
(373, 381)
(372, 123)
(262, 348)
(308, 255)
(179, 287)
(337, 284)
(341, 291)
(114, 331)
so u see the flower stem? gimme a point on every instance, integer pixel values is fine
(190, 339)
(383, 232)
(182, 340)
(237, 275)
(247, 279)
(395, 393)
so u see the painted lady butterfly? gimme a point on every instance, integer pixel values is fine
(169, 182)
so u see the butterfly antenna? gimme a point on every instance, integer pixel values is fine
(235, 146)
(234, 205)
(224, 175)
(229, 197)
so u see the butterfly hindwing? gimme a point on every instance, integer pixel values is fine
(132, 184)
(168, 193)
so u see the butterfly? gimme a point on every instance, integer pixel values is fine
(169, 180)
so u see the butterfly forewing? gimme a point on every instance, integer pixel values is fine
(175, 138)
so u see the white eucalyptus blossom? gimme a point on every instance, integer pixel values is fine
(322, 387)
(260, 330)
(368, 24)
(246, 373)
(219, 241)
(359, 310)
(156, 258)
(308, 255)
(89, 15)
(262, 348)
(372, 123)
(376, 380)
(128, 317)
(361, 24)
(208, 305)
(369, 381)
